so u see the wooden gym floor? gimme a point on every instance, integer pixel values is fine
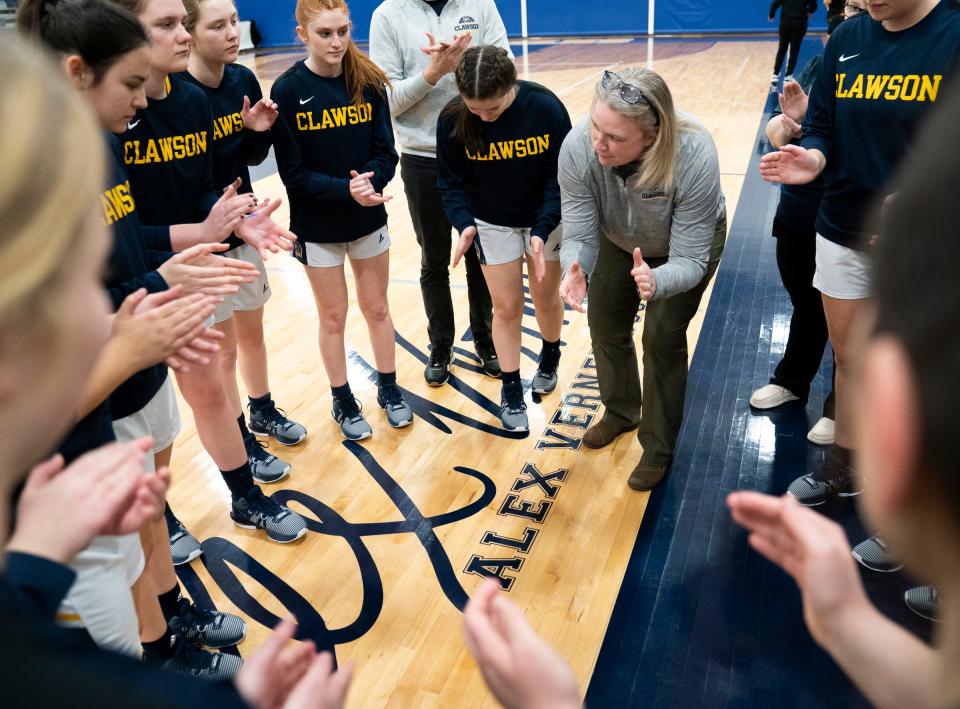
(404, 523)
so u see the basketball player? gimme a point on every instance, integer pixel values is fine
(880, 74)
(241, 137)
(421, 85)
(907, 429)
(176, 184)
(497, 148)
(334, 145)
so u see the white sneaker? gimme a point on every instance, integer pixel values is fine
(774, 79)
(788, 77)
(771, 396)
(822, 432)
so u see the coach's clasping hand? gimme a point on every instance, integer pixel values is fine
(643, 276)
(573, 288)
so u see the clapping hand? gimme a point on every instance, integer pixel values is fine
(573, 288)
(262, 233)
(363, 191)
(261, 117)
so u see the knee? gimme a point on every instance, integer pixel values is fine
(508, 309)
(228, 354)
(375, 312)
(251, 338)
(333, 320)
(203, 391)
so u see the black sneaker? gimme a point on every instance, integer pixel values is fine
(192, 661)
(265, 467)
(205, 627)
(874, 554)
(184, 547)
(438, 368)
(489, 361)
(271, 421)
(925, 601)
(811, 491)
(257, 511)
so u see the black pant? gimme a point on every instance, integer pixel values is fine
(796, 260)
(791, 34)
(432, 228)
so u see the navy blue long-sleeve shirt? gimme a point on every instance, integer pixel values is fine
(46, 667)
(319, 137)
(873, 89)
(234, 147)
(130, 268)
(168, 152)
(512, 179)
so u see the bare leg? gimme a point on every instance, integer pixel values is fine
(842, 318)
(546, 300)
(330, 292)
(372, 275)
(505, 283)
(252, 351)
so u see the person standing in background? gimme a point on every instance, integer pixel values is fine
(835, 13)
(422, 84)
(793, 28)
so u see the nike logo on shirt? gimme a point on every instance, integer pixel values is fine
(843, 58)
(306, 100)
(131, 126)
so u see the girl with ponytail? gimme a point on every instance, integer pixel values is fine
(497, 146)
(335, 152)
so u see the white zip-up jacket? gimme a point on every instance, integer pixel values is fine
(397, 33)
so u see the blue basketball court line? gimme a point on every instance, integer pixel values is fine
(701, 620)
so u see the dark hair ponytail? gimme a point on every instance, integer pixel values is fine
(483, 72)
(97, 31)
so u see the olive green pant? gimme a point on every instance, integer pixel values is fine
(613, 304)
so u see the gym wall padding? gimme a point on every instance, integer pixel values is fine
(275, 21)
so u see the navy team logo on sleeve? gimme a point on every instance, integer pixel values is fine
(466, 23)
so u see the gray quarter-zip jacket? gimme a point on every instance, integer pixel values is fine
(397, 33)
(679, 224)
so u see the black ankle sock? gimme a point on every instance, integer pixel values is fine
(242, 423)
(386, 379)
(168, 513)
(511, 382)
(342, 392)
(170, 602)
(837, 460)
(158, 651)
(549, 355)
(239, 480)
(260, 402)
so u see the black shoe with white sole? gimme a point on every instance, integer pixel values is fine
(257, 511)
(874, 554)
(438, 367)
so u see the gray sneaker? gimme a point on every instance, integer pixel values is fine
(184, 547)
(513, 412)
(257, 511)
(265, 467)
(544, 382)
(398, 411)
(353, 426)
(925, 601)
(192, 661)
(874, 554)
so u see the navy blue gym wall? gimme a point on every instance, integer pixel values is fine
(274, 18)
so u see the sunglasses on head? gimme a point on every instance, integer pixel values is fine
(628, 92)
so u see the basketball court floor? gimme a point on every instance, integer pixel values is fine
(405, 524)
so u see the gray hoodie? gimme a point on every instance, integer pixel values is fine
(679, 224)
(397, 32)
